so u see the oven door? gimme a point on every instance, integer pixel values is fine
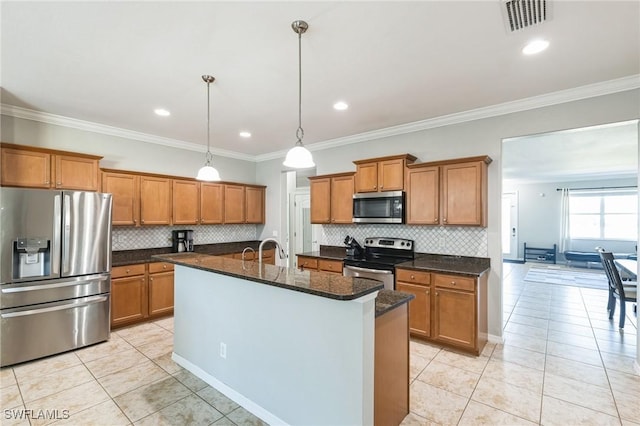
(387, 277)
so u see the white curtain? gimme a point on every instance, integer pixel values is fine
(565, 238)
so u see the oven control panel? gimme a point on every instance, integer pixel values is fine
(393, 243)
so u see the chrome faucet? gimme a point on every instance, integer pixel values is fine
(278, 246)
(245, 251)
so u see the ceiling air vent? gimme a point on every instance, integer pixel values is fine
(521, 14)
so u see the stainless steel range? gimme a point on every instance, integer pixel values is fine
(379, 258)
(55, 260)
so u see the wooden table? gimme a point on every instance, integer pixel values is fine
(628, 267)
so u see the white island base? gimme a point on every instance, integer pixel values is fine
(291, 357)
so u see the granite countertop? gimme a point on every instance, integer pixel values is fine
(130, 257)
(327, 252)
(472, 266)
(317, 283)
(388, 300)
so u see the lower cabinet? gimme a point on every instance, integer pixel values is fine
(141, 292)
(320, 264)
(449, 309)
(268, 256)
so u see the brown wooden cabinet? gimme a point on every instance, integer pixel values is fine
(382, 174)
(451, 192)
(155, 200)
(448, 308)
(211, 203)
(141, 292)
(129, 302)
(329, 265)
(423, 195)
(254, 204)
(186, 202)
(160, 288)
(234, 203)
(305, 262)
(332, 198)
(25, 166)
(125, 190)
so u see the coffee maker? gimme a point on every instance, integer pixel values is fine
(182, 240)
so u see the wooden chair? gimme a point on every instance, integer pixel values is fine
(625, 293)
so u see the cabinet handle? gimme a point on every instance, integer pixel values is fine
(427, 292)
(436, 293)
(453, 283)
(412, 277)
(150, 278)
(142, 221)
(164, 266)
(375, 186)
(435, 220)
(135, 222)
(444, 220)
(47, 182)
(58, 184)
(128, 271)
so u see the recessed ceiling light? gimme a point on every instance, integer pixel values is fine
(340, 106)
(245, 134)
(535, 46)
(162, 112)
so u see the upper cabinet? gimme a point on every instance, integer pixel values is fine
(144, 199)
(254, 202)
(382, 174)
(452, 192)
(125, 190)
(29, 167)
(332, 198)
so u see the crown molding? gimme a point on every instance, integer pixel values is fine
(554, 98)
(58, 120)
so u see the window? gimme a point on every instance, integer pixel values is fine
(604, 215)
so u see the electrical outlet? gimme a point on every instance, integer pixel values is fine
(223, 350)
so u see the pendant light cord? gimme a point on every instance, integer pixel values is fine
(299, 132)
(208, 156)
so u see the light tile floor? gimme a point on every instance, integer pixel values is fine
(563, 363)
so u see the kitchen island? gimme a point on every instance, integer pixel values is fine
(292, 347)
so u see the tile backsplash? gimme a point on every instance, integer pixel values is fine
(460, 240)
(133, 238)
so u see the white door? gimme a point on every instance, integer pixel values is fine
(303, 235)
(510, 225)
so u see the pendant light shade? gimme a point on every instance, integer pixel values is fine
(299, 157)
(207, 172)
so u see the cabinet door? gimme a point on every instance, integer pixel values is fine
(320, 190)
(125, 190)
(128, 300)
(342, 199)
(455, 317)
(161, 293)
(234, 204)
(419, 308)
(391, 175)
(423, 196)
(211, 203)
(25, 168)
(77, 173)
(186, 199)
(155, 201)
(255, 204)
(366, 177)
(309, 263)
(462, 198)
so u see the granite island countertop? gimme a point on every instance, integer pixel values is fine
(322, 284)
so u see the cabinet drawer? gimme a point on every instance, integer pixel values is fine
(307, 263)
(127, 270)
(160, 267)
(330, 265)
(414, 277)
(456, 282)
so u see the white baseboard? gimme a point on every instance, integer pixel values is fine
(230, 393)
(492, 338)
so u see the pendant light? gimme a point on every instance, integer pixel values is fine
(207, 172)
(299, 157)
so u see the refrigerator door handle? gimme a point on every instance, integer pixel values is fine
(65, 283)
(55, 245)
(73, 305)
(66, 231)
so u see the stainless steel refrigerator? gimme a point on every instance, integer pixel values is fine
(55, 263)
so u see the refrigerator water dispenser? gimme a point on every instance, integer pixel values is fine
(31, 257)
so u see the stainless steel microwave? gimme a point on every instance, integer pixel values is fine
(379, 207)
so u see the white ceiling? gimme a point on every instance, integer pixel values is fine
(112, 63)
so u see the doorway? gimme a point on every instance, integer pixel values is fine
(302, 231)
